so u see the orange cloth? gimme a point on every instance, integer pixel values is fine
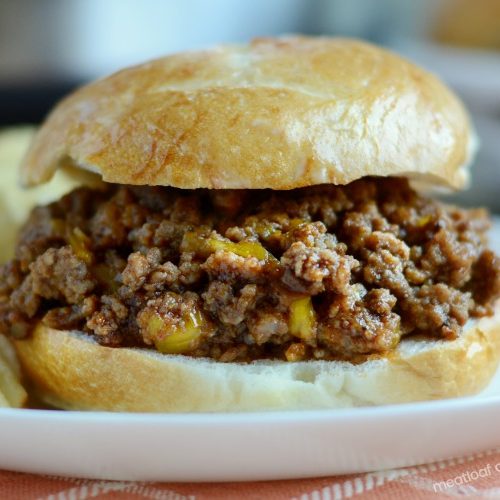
(473, 477)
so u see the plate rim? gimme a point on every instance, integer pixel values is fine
(216, 418)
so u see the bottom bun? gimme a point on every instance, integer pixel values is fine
(70, 371)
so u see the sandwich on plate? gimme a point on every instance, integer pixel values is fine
(262, 237)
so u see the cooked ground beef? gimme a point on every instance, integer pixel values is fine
(317, 273)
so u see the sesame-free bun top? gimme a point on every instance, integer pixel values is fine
(277, 113)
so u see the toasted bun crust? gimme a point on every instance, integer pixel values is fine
(70, 371)
(278, 113)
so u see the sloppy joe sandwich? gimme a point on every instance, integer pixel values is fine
(262, 238)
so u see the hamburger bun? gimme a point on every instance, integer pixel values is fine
(277, 114)
(71, 371)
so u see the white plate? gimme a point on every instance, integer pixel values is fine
(251, 446)
(236, 447)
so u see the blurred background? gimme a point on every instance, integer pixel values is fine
(49, 47)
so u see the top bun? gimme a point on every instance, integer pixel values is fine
(277, 113)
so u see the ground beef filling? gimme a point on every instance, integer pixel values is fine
(315, 273)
